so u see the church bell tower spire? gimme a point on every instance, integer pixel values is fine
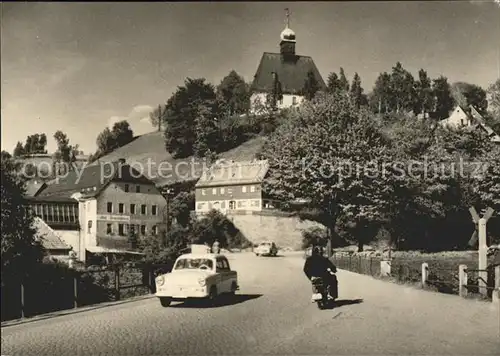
(287, 44)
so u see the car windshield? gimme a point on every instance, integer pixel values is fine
(194, 263)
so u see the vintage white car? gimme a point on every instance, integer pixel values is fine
(266, 248)
(197, 276)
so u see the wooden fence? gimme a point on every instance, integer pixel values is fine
(462, 280)
(38, 295)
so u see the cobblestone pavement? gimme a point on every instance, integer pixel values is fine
(273, 315)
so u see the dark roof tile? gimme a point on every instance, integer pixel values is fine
(291, 73)
(92, 179)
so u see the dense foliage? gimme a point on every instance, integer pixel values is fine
(21, 250)
(361, 173)
(166, 246)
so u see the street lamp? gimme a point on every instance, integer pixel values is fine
(168, 193)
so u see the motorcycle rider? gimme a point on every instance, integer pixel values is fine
(317, 265)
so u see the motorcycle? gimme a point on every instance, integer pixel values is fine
(321, 294)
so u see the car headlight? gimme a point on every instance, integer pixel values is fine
(160, 280)
(202, 282)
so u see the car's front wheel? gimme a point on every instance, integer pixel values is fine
(165, 301)
(212, 295)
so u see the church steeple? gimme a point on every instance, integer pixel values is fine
(287, 44)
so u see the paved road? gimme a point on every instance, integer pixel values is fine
(273, 315)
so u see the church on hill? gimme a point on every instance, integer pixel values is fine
(284, 73)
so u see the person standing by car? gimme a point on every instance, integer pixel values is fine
(317, 265)
(216, 247)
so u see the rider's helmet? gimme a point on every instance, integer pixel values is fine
(316, 250)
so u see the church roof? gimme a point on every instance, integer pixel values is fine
(292, 73)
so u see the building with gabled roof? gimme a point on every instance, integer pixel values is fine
(229, 185)
(34, 187)
(54, 245)
(97, 209)
(469, 117)
(284, 72)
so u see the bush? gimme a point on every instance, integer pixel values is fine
(314, 236)
(216, 226)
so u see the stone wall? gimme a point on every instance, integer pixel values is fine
(285, 230)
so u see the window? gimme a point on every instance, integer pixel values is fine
(461, 121)
(126, 188)
(120, 208)
(242, 204)
(255, 203)
(222, 264)
(109, 229)
(137, 188)
(232, 204)
(143, 209)
(203, 192)
(132, 208)
(222, 190)
(131, 228)
(89, 226)
(214, 191)
(121, 231)
(110, 207)
(154, 210)
(244, 189)
(252, 188)
(294, 100)
(154, 229)
(143, 229)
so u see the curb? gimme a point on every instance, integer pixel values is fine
(56, 314)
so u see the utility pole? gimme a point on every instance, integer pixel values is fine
(479, 236)
(330, 230)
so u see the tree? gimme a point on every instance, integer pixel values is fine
(18, 150)
(438, 185)
(343, 82)
(157, 116)
(466, 94)
(181, 206)
(122, 134)
(423, 94)
(105, 142)
(442, 96)
(356, 94)
(333, 83)
(35, 144)
(109, 140)
(65, 154)
(21, 249)
(216, 225)
(402, 84)
(381, 98)
(233, 95)
(311, 86)
(206, 132)
(182, 110)
(310, 159)
(494, 99)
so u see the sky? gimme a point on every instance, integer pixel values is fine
(79, 67)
